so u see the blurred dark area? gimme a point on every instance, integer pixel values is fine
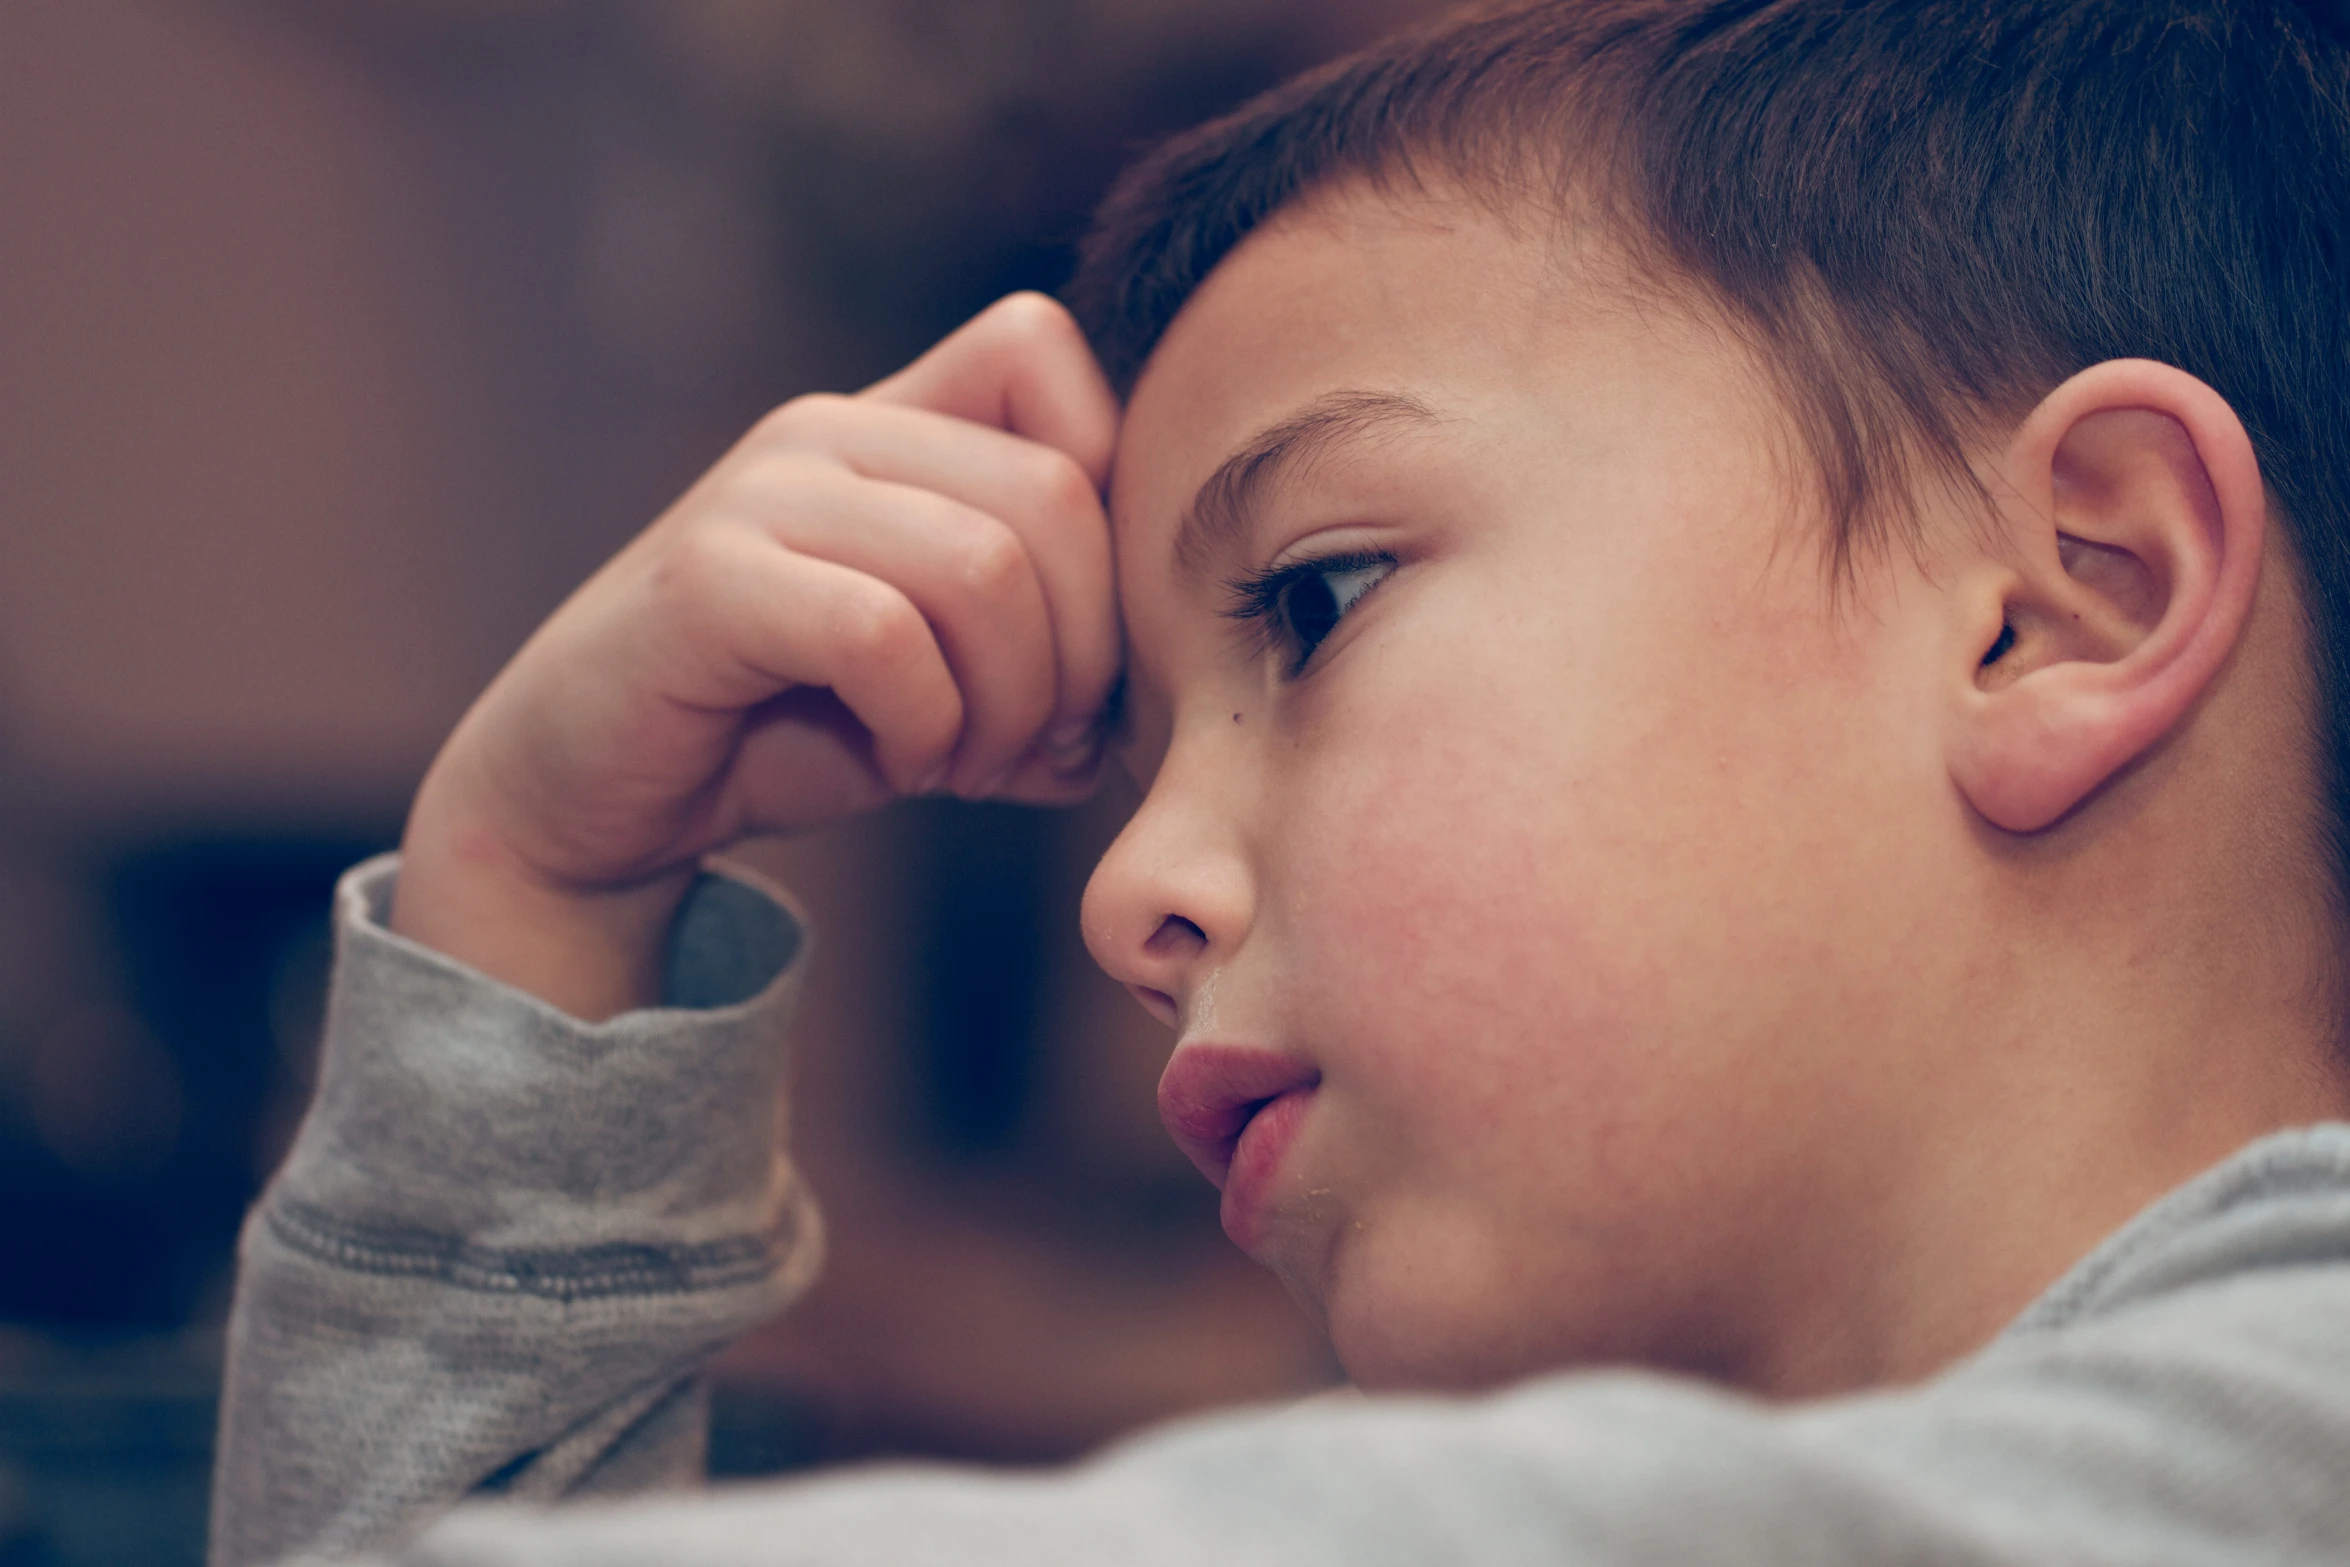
(337, 342)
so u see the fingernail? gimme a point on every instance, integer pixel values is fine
(1070, 738)
(931, 782)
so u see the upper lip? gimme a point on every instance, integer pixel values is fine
(1209, 1092)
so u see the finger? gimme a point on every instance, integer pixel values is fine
(969, 574)
(778, 620)
(1046, 779)
(1020, 365)
(1039, 493)
(802, 758)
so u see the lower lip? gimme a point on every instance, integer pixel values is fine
(1256, 1159)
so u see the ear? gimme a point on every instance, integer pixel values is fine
(2130, 533)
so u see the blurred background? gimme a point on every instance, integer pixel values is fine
(338, 340)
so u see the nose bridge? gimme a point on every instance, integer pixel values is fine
(1181, 858)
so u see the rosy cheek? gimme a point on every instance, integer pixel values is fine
(1443, 951)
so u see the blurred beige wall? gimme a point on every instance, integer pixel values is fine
(232, 561)
(300, 425)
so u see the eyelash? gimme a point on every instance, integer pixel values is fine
(1259, 600)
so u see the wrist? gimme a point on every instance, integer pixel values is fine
(592, 952)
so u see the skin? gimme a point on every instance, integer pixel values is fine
(897, 593)
(1704, 968)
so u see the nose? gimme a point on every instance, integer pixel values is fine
(1173, 898)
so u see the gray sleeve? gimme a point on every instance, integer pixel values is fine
(2209, 1430)
(505, 1240)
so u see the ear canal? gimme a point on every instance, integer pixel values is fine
(1999, 648)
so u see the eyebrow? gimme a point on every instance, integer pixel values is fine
(1220, 514)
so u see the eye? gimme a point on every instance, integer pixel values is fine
(1296, 606)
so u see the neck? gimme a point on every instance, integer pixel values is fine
(2061, 1088)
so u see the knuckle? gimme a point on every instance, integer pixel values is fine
(779, 478)
(1062, 487)
(699, 563)
(1029, 317)
(877, 627)
(800, 420)
(991, 562)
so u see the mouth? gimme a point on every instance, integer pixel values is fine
(1234, 1110)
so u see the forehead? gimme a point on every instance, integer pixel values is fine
(1349, 291)
(1504, 330)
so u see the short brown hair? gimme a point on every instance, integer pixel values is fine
(1925, 213)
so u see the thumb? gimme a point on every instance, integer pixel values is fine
(1021, 365)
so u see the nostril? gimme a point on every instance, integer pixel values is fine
(1175, 935)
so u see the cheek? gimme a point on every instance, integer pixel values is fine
(1540, 922)
(1441, 912)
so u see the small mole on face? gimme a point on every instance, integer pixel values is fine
(1236, 718)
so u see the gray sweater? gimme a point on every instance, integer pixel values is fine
(505, 1241)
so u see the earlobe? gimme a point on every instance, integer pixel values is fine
(2130, 530)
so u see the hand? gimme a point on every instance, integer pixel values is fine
(870, 596)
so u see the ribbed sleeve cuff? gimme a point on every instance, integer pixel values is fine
(467, 1132)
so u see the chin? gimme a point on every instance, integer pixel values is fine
(1384, 1361)
(1397, 1340)
(1456, 1308)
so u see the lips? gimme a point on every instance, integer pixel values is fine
(1234, 1110)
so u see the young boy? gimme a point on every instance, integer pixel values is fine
(1737, 619)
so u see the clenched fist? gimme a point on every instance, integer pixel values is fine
(870, 596)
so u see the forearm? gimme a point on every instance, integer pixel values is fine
(505, 1240)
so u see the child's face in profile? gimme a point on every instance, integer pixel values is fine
(1548, 828)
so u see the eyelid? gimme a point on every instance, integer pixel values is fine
(1257, 595)
(1254, 593)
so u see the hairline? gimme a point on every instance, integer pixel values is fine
(1587, 223)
